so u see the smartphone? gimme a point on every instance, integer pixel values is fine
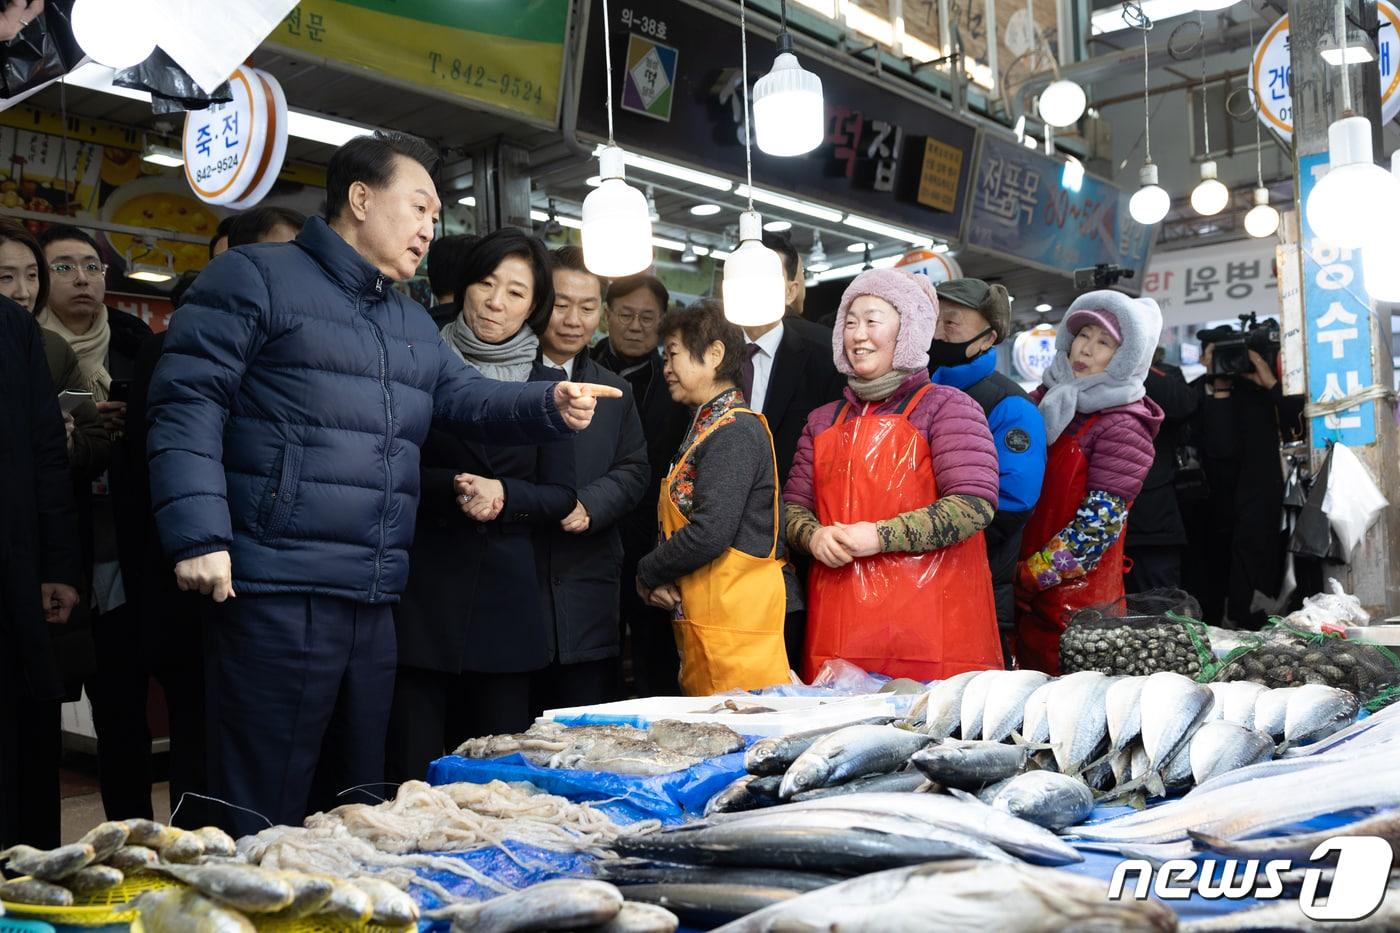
(69, 400)
(120, 391)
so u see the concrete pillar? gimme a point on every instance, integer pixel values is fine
(1335, 302)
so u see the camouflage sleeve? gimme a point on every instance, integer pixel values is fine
(801, 522)
(948, 521)
(1082, 544)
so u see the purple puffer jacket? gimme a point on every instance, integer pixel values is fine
(964, 456)
(1119, 445)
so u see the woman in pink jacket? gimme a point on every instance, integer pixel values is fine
(1100, 426)
(889, 492)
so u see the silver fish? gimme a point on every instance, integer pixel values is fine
(974, 701)
(1005, 708)
(1172, 707)
(958, 812)
(850, 753)
(1139, 765)
(1223, 746)
(775, 754)
(243, 887)
(182, 910)
(1300, 846)
(564, 904)
(909, 781)
(733, 798)
(1123, 712)
(637, 917)
(1176, 773)
(1235, 700)
(1316, 711)
(1121, 765)
(1286, 915)
(1035, 727)
(944, 706)
(961, 895)
(1271, 710)
(970, 765)
(1046, 798)
(1379, 727)
(705, 906)
(1075, 710)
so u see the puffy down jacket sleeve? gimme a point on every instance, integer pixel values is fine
(221, 325)
(494, 412)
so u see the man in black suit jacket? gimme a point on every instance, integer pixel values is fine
(790, 373)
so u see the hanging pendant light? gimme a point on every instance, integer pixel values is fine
(688, 255)
(616, 227)
(754, 288)
(1150, 203)
(652, 213)
(1062, 103)
(1262, 219)
(789, 113)
(1380, 273)
(816, 258)
(1210, 196)
(115, 33)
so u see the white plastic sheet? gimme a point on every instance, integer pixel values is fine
(1353, 501)
(210, 39)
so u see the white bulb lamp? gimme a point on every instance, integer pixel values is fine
(1356, 199)
(115, 33)
(789, 115)
(1062, 103)
(1150, 203)
(1380, 271)
(1210, 196)
(754, 288)
(616, 223)
(1262, 219)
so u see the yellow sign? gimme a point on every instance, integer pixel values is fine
(938, 180)
(503, 54)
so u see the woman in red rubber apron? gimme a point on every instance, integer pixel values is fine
(889, 492)
(1100, 426)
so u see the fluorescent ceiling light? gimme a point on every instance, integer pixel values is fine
(1110, 19)
(784, 202)
(1356, 55)
(899, 233)
(1044, 308)
(859, 247)
(95, 77)
(539, 216)
(778, 226)
(468, 201)
(705, 210)
(664, 243)
(150, 274)
(854, 269)
(670, 170)
(542, 217)
(700, 250)
(163, 155)
(939, 248)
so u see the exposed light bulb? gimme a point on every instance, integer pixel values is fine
(789, 114)
(818, 253)
(616, 225)
(652, 212)
(705, 210)
(1262, 219)
(1062, 103)
(1210, 196)
(1380, 272)
(1150, 203)
(689, 255)
(754, 287)
(115, 34)
(1356, 200)
(778, 226)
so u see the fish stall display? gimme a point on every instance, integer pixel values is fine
(665, 746)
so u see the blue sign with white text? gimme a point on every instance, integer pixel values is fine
(1338, 315)
(1020, 208)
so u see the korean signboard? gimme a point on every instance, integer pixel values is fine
(1213, 283)
(234, 151)
(1337, 315)
(1271, 71)
(1018, 208)
(1033, 351)
(506, 55)
(885, 155)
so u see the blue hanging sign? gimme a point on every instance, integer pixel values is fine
(1338, 314)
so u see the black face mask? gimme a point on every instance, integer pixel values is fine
(945, 353)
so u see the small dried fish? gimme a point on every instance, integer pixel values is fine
(34, 891)
(133, 858)
(242, 887)
(182, 910)
(216, 842)
(392, 907)
(105, 839)
(93, 879)
(149, 833)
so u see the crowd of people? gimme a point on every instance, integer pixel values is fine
(345, 532)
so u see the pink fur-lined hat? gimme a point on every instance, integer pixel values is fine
(915, 300)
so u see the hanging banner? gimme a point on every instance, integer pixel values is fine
(505, 55)
(1271, 72)
(1213, 283)
(884, 155)
(1337, 318)
(1019, 208)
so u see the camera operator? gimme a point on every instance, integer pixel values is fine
(1242, 418)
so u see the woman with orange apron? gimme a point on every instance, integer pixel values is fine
(889, 492)
(717, 566)
(1100, 426)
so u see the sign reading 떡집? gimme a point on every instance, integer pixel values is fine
(1337, 313)
(1213, 283)
(651, 73)
(1019, 208)
(1271, 71)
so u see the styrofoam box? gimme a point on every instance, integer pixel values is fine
(1380, 634)
(789, 714)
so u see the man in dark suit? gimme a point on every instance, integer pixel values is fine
(788, 370)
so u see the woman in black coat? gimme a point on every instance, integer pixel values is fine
(473, 623)
(38, 573)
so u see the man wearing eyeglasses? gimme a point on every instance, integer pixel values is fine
(107, 342)
(633, 314)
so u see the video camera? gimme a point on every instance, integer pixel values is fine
(1104, 275)
(1231, 354)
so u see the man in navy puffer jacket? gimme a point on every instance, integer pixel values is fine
(286, 416)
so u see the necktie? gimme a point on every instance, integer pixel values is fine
(746, 370)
